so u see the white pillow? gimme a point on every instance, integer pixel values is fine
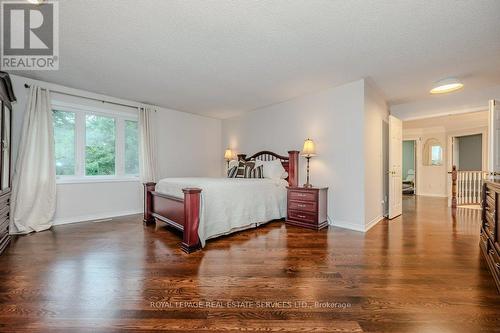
(273, 169)
(232, 163)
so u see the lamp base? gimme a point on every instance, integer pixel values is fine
(308, 185)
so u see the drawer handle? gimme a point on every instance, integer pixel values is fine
(497, 265)
(301, 195)
(301, 216)
(491, 252)
(300, 205)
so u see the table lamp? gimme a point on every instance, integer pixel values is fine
(308, 151)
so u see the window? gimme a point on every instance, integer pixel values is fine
(64, 137)
(100, 145)
(131, 147)
(93, 144)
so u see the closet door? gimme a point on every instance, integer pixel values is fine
(6, 136)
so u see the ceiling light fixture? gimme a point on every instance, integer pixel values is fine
(446, 86)
(36, 2)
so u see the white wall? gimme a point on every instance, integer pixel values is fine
(430, 180)
(334, 119)
(188, 145)
(376, 141)
(183, 139)
(435, 180)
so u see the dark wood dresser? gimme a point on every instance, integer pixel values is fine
(307, 207)
(490, 232)
(6, 98)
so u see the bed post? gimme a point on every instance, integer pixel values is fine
(148, 203)
(190, 239)
(293, 168)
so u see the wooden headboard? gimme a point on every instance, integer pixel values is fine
(290, 162)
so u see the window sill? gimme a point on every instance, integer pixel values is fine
(90, 180)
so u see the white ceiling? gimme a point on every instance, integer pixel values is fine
(221, 58)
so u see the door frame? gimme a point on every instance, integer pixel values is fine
(484, 131)
(417, 148)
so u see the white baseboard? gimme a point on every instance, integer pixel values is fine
(355, 226)
(93, 217)
(373, 222)
(432, 195)
(348, 225)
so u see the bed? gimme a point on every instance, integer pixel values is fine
(206, 208)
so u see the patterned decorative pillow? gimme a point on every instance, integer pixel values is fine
(241, 168)
(257, 172)
(231, 172)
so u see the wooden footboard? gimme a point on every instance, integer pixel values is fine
(182, 214)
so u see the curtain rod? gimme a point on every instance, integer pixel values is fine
(91, 98)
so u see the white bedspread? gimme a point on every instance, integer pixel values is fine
(231, 204)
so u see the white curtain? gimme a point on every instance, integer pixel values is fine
(34, 184)
(147, 139)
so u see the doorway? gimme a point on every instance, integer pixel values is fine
(469, 156)
(409, 167)
(468, 152)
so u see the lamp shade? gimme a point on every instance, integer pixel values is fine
(228, 154)
(309, 148)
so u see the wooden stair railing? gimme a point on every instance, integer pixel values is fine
(466, 187)
(454, 187)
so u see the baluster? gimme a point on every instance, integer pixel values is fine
(467, 187)
(466, 178)
(461, 187)
(478, 187)
(474, 183)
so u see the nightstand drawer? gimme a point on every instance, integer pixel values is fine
(303, 206)
(302, 195)
(302, 216)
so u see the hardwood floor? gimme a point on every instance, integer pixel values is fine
(418, 273)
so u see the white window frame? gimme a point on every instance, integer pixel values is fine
(80, 112)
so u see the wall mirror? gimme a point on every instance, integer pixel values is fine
(433, 152)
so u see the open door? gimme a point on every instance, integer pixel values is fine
(494, 139)
(395, 167)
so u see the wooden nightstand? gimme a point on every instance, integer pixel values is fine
(307, 207)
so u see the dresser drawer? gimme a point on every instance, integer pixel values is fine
(4, 225)
(490, 202)
(483, 241)
(490, 194)
(302, 216)
(494, 259)
(489, 224)
(302, 195)
(4, 213)
(4, 199)
(305, 206)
